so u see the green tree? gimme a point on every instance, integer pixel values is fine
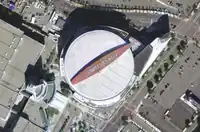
(49, 77)
(187, 122)
(171, 58)
(50, 111)
(156, 78)
(149, 84)
(183, 44)
(166, 66)
(159, 71)
(66, 90)
(179, 49)
(124, 119)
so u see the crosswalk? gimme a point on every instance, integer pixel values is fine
(189, 27)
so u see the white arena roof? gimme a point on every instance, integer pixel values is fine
(110, 81)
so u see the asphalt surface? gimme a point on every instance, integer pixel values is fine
(190, 26)
(189, 74)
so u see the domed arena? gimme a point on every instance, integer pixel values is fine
(99, 65)
(102, 60)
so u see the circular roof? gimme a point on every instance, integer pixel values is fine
(112, 79)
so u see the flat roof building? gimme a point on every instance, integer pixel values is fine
(24, 125)
(17, 51)
(180, 114)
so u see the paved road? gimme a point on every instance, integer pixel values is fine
(189, 27)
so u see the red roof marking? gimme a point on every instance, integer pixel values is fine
(100, 64)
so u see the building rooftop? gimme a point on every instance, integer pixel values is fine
(130, 127)
(158, 46)
(108, 82)
(60, 22)
(179, 113)
(7, 98)
(24, 125)
(142, 58)
(33, 112)
(17, 51)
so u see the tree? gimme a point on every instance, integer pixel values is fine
(156, 78)
(180, 49)
(171, 58)
(64, 85)
(160, 71)
(183, 44)
(46, 2)
(49, 76)
(166, 66)
(161, 92)
(51, 111)
(187, 122)
(65, 89)
(142, 7)
(124, 119)
(149, 84)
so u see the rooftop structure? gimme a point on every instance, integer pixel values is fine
(32, 109)
(43, 92)
(17, 51)
(180, 114)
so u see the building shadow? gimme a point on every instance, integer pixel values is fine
(81, 20)
(34, 74)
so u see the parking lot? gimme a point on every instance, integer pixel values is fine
(181, 77)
